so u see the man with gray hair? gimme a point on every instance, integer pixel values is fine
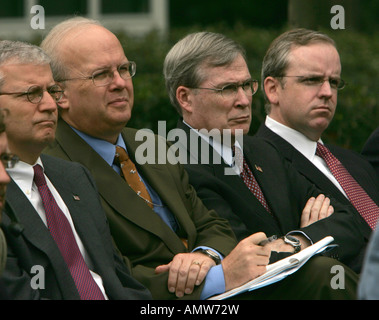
(301, 77)
(59, 244)
(208, 80)
(174, 244)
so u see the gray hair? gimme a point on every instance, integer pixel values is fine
(184, 63)
(51, 43)
(276, 60)
(19, 52)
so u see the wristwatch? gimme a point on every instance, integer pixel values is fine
(294, 242)
(214, 256)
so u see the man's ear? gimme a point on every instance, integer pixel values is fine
(271, 86)
(184, 98)
(63, 103)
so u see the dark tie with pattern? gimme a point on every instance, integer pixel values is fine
(130, 174)
(357, 196)
(248, 177)
(61, 231)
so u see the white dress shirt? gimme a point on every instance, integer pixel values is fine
(304, 145)
(23, 175)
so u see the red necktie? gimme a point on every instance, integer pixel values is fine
(357, 196)
(248, 178)
(61, 231)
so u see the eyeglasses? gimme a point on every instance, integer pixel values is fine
(102, 78)
(230, 91)
(35, 93)
(335, 83)
(9, 160)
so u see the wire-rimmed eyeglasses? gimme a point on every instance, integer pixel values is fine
(335, 83)
(104, 77)
(250, 87)
(35, 93)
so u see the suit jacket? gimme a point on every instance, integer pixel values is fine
(368, 285)
(371, 151)
(139, 233)
(358, 167)
(30, 243)
(285, 190)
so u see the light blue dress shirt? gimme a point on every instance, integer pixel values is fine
(214, 281)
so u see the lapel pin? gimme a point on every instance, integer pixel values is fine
(258, 168)
(76, 197)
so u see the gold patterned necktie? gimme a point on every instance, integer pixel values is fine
(131, 176)
(357, 196)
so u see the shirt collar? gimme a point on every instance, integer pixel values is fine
(299, 141)
(23, 173)
(223, 150)
(104, 148)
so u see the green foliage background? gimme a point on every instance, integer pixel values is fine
(357, 112)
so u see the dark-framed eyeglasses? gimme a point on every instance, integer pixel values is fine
(250, 87)
(9, 160)
(35, 93)
(104, 77)
(318, 81)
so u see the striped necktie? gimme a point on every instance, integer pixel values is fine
(61, 232)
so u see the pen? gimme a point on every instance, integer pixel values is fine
(269, 239)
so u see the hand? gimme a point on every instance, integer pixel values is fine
(247, 261)
(185, 271)
(316, 209)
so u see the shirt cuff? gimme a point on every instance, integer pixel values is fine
(214, 282)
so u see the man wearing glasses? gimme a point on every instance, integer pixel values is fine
(301, 77)
(55, 227)
(171, 241)
(215, 94)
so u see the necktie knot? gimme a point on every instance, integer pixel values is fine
(322, 151)
(39, 177)
(121, 154)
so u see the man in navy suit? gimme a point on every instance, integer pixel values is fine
(301, 76)
(210, 85)
(43, 261)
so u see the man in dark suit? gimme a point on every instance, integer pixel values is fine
(215, 93)
(301, 102)
(8, 160)
(174, 244)
(371, 150)
(59, 244)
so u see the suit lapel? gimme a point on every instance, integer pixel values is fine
(233, 180)
(160, 179)
(35, 232)
(115, 191)
(302, 164)
(71, 196)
